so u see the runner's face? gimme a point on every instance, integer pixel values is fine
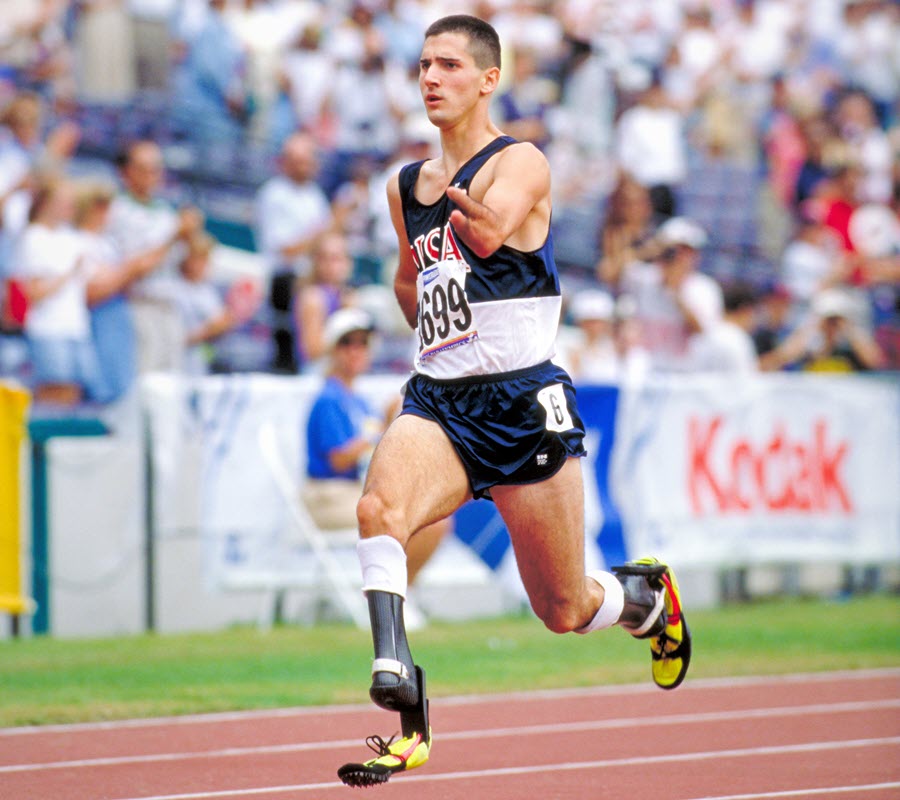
(449, 80)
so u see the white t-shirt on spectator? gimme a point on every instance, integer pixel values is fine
(723, 347)
(288, 212)
(135, 227)
(650, 145)
(44, 252)
(663, 329)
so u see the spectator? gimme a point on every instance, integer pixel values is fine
(829, 341)
(51, 267)
(305, 75)
(774, 320)
(34, 46)
(858, 126)
(813, 260)
(673, 300)
(354, 217)
(627, 231)
(110, 277)
(142, 222)
(525, 103)
(341, 434)
(211, 102)
(603, 351)
(205, 316)
(150, 20)
(726, 346)
(25, 153)
(650, 146)
(292, 213)
(318, 298)
(365, 109)
(104, 52)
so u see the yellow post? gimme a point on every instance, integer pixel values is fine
(13, 410)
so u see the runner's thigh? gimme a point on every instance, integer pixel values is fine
(546, 525)
(416, 473)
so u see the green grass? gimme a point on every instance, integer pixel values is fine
(45, 680)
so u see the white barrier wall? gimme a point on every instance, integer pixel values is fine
(785, 468)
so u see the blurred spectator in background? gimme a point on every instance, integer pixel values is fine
(627, 231)
(813, 260)
(830, 340)
(110, 277)
(50, 265)
(726, 346)
(857, 123)
(291, 214)
(673, 299)
(603, 349)
(867, 50)
(522, 107)
(341, 433)
(142, 222)
(153, 42)
(774, 317)
(819, 140)
(354, 217)
(26, 152)
(651, 146)
(365, 108)
(318, 297)
(105, 65)
(205, 316)
(304, 78)
(33, 45)
(211, 103)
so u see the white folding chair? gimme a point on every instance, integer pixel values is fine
(321, 543)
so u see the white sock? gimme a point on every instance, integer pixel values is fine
(383, 563)
(613, 602)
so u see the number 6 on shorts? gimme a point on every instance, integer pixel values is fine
(553, 399)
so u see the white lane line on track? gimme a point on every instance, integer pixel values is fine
(643, 761)
(458, 700)
(805, 793)
(554, 728)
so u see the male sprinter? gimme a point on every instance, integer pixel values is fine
(486, 413)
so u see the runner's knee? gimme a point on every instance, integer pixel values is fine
(376, 517)
(559, 616)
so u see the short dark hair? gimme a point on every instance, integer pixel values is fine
(484, 43)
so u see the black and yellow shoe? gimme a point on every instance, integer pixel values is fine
(653, 611)
(393, 756)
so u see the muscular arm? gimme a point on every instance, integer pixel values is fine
(514, 209)
(405, 279)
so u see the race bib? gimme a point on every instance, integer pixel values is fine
(445, 318)
(553, 399)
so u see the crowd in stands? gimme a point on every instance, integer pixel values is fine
(725, 172)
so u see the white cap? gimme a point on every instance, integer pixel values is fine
(592, 304)
(832, 303)
(681, 230)
(344, 321)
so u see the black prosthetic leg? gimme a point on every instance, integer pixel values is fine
(397, 685)
(394, 684)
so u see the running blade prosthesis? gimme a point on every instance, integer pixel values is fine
(408, 752)
(670, 647)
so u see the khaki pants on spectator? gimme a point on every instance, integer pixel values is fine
(332, 502)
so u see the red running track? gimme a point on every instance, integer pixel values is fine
(827, 736)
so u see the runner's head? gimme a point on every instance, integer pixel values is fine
(484, 43)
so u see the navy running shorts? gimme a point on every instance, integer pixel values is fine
(509, 428)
